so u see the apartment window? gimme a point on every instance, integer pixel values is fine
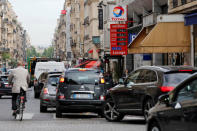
(183, 2)
(175, 3)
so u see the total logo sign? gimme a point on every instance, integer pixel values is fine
(118, 13)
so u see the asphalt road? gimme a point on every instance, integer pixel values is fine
(36, 121)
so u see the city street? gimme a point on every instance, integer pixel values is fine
(36, 121)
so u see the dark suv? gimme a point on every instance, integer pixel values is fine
(80, 90)
(141, 90)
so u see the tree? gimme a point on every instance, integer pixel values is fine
(5, 57)
(31, 52)
(48, 52)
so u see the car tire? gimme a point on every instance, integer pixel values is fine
(0, 96)
(58, 110)
(110, 112)
(43, 108)
(148, 104)
(154, 127)
(36, 95)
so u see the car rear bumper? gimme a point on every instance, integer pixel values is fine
(48, 101)
(80, 105)
(5, 91)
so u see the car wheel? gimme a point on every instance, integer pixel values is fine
(147, 106)
(36, 95)
(110, 112)
(58, 110)
(43, 108)
(154, 127)
(0, 96)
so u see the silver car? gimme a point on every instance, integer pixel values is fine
(48, 92)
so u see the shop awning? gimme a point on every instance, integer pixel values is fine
(82, 64)
(134, 46)
(93, 64)
(165, 37)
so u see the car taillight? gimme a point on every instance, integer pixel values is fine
(46, 91)
(185, 70)
(62, 80)
(166, 88)
(102, 97)
(61, 97)
(102, 80)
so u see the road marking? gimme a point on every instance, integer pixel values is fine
(28, 116)
(54, 116)
(134, 117)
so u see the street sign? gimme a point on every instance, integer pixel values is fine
(63, 12)
(119, 39)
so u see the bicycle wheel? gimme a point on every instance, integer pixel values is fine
(21, 109)
(18, 106)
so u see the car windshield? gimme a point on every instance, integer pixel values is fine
(173, 79)
(53, 79)
(83, 77)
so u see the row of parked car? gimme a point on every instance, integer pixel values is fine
(165, 96)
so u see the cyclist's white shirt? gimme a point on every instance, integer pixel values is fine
(20, 78)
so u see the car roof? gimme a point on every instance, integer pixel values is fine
(58, 74)
(168, 68)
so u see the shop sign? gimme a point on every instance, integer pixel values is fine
(131, 37)
(118, 39)
(118, 13)
(100, 18)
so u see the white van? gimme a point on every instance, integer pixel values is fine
(50, 66)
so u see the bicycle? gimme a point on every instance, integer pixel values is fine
(20, 103)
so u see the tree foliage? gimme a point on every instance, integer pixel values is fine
(5, 56)
(31, 52)
(48, 52)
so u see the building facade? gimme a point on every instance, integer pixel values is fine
(189, 9)
(14, 40)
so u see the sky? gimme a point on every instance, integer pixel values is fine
(39, 18)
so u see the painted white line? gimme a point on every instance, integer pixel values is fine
(28, 116)
(134, 117)
(54, 116)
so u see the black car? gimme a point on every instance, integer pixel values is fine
(80, 90)
(176, 111)
(5, 87)
(141, 90)
(48, 92)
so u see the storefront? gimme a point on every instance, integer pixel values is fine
(191, 20)
(168, 37)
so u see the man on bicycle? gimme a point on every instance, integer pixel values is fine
(20, 79)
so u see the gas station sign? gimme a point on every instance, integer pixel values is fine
(119, 39)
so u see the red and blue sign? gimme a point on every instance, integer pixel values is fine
(118, 11)
(119, 39)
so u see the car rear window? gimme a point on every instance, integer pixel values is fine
(81, 77)
(53, 79)
(173, 79)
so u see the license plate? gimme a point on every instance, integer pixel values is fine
(82, 96)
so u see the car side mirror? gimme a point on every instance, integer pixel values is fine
(96, 82)
(164, 99)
